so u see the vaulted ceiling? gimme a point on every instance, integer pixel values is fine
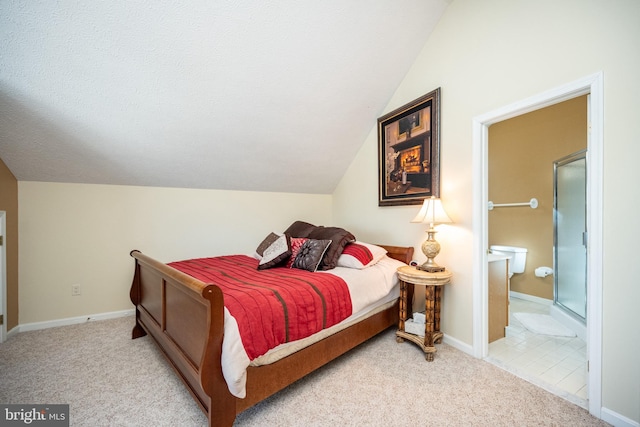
(225, 94)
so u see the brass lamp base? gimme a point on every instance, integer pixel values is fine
(430, 268)
(431, 249)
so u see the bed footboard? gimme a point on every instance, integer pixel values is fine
(185, 317)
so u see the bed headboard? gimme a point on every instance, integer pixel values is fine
(401, 253)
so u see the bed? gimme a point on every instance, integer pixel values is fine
(185, 317)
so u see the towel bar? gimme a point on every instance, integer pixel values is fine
(533, 203)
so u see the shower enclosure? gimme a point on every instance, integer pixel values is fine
(570, 234)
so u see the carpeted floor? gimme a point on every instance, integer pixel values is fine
(110, 380)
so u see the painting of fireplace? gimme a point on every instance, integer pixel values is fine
(413, 163)
(409, 152)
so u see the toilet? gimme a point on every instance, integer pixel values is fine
(517, 257)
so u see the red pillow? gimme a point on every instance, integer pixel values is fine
(296, 244)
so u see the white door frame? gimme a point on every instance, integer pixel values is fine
(3, 276)
(592, 85)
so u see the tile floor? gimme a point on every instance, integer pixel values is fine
(557, 364)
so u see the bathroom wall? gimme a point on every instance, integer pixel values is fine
(521, 155)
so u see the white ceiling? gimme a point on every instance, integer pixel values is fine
(222, 94)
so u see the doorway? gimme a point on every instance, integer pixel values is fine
(3, 278)
(523, 153)
(592, 86)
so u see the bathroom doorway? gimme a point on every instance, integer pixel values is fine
(593, 87)
(522, 166)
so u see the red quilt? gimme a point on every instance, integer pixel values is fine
(272, 306)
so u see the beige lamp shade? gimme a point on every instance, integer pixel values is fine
(432, 213)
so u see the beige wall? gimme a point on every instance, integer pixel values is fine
(484, 55)
(489, 54)
(82, 234)
(521, 155)
(9, 204)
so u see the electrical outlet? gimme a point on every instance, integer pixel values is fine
(75, 290)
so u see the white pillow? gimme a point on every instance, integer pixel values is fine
(272, 237)
(360, 255)
(278, 252)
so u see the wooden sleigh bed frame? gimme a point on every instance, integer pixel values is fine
(184, 316)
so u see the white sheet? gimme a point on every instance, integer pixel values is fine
(369, 288)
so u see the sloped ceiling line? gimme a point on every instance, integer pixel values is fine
(238, 95)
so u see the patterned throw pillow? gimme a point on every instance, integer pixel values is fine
(360, 255)
(296, 244)
(276, 253)
(272, 237)
(339, 238)
(310, 254)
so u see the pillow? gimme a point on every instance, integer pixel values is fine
(310, 254)
(339, 238)
(299, 229)
(296, 244)
(272, 237)
(360, 255)
(276, 253)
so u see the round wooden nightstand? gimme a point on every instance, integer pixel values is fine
(433, 282)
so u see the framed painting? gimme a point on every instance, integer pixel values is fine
(409, 152)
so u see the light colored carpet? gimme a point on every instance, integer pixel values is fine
(543, 324)
(110, 380)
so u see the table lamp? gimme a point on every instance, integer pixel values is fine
(431, 213)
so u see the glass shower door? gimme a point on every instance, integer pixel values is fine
(570, 233)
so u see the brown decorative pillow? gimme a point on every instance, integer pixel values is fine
(278, 252)
(310, 254)
(299, 229)
(339, 238)
(272, 237)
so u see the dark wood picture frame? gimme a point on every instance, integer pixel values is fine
(409, 152)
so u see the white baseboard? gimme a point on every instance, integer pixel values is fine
(13, 331)
(527, 297)
(616, 419)
(71, 321)
(462, 346)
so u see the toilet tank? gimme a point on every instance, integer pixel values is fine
(517, 256)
